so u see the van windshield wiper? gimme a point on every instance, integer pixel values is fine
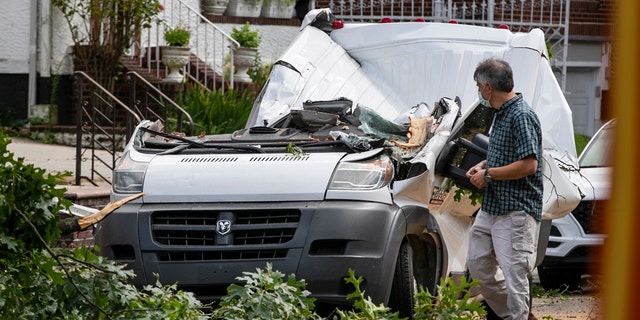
(173, 136)
(190, 143)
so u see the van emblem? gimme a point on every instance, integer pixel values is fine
(223, 227)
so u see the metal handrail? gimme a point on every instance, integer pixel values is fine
(160, 99)
(98, 114)
(209, 44)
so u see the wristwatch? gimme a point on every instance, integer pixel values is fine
(487, 177)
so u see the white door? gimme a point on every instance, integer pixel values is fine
(580, 92)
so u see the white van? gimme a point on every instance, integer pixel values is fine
(347, 161)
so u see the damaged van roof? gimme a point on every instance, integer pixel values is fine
(392, 67)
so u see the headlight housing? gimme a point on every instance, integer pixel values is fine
(128, 176)
(370, 174)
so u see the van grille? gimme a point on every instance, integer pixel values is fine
(192, 228)
(221, 255)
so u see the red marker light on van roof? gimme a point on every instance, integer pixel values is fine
(337, 24)
(453, 21)
(386, 20)
(503, 26)
(420, 20)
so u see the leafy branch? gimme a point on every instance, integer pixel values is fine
(364, 308)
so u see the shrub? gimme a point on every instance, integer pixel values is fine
(364, 308)
(78, 284)
(448, 304)
(29, 203)
(259, 73)
(41, 282)
(266, 295)
(215, 112)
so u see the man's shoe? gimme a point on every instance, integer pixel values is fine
(531, 316)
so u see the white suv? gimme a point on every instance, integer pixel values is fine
(576, 238)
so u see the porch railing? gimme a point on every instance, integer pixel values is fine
(103, 123)
(151, 103)
(211, 47)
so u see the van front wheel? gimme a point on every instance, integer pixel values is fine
(404, 285)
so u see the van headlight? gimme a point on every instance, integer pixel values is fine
(368, 174)
(128, 175)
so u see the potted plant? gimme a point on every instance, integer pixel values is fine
(244, 8)
(245, 54)
(177, 36)
(175, 55)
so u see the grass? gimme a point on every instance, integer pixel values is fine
(581, 142)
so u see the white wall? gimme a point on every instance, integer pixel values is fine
(14, 38)
(55, 40)
(53, 36)
(60, 41)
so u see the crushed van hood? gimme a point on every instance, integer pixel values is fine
(408, 64)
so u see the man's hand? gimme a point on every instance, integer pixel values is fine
(476, 175)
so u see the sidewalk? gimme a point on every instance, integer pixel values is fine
(58, 158)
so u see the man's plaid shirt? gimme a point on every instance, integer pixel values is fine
(515, 134)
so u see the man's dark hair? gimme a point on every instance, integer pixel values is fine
(496, 72)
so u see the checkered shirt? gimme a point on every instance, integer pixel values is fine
(515, 134)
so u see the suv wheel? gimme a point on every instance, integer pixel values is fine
(404, 285)
(559, 279)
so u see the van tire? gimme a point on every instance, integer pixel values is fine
(404, 287)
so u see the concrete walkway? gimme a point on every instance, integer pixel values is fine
(58, 158)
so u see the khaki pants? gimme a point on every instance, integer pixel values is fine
(502, 254)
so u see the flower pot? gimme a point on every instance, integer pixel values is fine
(244, 8)
(175, 58)
(280, 9)
(243, 59)
(214, 7)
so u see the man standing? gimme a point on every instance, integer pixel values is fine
(504, 236)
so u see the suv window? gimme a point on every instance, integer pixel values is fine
(598, 152)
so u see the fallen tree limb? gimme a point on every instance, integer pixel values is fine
(75, 224)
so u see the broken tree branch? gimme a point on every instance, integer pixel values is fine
(75, 224)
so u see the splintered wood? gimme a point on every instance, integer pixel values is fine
(417, 133)
(75, 224)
